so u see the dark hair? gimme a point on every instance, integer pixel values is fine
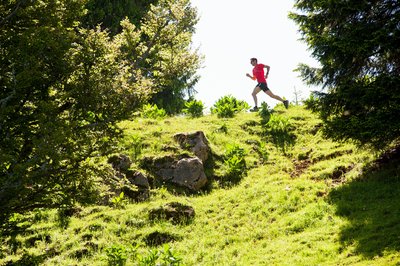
(253, 59)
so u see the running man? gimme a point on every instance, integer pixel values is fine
(258, 74)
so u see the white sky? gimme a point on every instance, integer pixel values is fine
(230, 32)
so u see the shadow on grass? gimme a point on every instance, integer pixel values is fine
(279, 131)
(28, 259)
(371, 204)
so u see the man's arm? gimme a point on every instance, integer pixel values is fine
(268, 68)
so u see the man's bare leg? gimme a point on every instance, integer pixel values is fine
(254, 94)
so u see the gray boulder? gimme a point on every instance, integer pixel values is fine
(196, 142)
(187, 172)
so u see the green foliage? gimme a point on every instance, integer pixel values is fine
(117, 255)
(153, 112)
(235, 161)
(164, 256)
(265, 113)
(228, 106)
(279, 213)
(136, 145)
(109, 14)
(263, 152)
(63, 91)
(119, 202)
(194, 108)
(356, 43)
(161, 48)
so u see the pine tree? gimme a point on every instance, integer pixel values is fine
(357, 45)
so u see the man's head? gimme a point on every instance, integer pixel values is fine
(253, 61)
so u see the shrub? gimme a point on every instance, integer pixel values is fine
(119, 202)
(228, 106)
(152, 111)
(265, 113)
(166, 256)
(194, 108)
(117, 255)
(235, 160)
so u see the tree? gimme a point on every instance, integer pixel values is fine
(110, 13)
(357, 45)
(161, 49)
(62, 91)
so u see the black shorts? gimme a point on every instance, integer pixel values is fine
(263, 86)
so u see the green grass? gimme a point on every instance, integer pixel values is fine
(334, 210)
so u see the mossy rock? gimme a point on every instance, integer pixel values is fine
(159, 238)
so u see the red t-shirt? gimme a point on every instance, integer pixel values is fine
(258, 72)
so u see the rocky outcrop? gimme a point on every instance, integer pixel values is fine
(181, 170)
(196, 142)
(187, 172)
(134, 184)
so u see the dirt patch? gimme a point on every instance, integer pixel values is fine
(300, 166)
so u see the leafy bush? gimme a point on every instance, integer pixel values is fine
(160, 257)
(235, 160)
(194, 108)
(117, 255)
(265, 113)
(228, 106)
(153, 112)
(62, 94)
(119, 202)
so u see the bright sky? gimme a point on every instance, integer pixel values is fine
(230, 32)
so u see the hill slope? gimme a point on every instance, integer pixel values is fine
(302, 200)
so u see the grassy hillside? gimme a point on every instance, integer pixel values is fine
(302, 200)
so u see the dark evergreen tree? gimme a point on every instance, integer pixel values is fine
(110, 13)
(357, 45)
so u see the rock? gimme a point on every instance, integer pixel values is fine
(189, 173)
(196, 142)
(185, 171)
(138, 179)
(134, 184)
(120, 163)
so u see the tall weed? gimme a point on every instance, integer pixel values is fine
(228, 106)
(194, 108)
(265, 113)
(164, 256)
(136, 143)
(235, 161)
(117, 255)
(153, 112)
